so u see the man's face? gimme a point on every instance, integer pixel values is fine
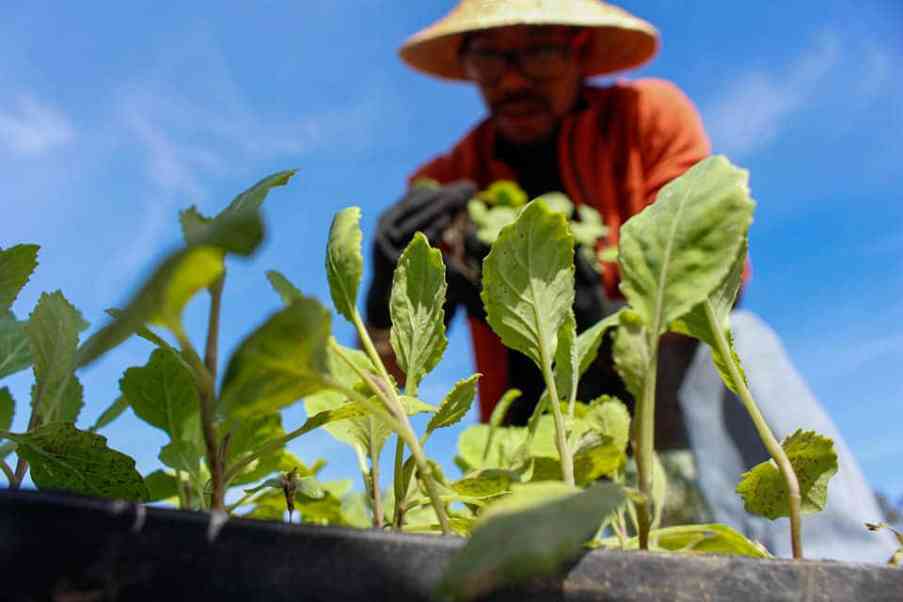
(527, 96)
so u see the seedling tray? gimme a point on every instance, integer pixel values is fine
(65, 547)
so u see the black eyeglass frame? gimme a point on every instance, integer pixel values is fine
(516, 58)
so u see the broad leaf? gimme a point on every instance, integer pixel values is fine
(247, 434)
(483, 484)
(675, 253)
(474, 451)
(287, 291)
(632, 355)
(609, 417)
(183, 455)
(113, 411)
(697, 324)
(364, 433)
(162, 393)
(344, 262)
(519, 544)
(63, 457)
(15, 352)
(567, 364)
(7, 409)
(528, 282)
(282, 361)
(252, 198)
(16, 266)
(593, 461)
(194, 225)
(814, 460)
(160, 300)
(52, 331)
(589, 341)
(416, 308)
(707, 539)
(455, 405)
(161, 486)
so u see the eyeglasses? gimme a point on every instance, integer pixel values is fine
(537, 63)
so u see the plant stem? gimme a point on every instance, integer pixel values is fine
(208, 428)
(374, 481)
(393, 404)
(7, 471)
(401, 492)
(768, 439)
(564, 451)
(211, 351)
(22, 463)
(644, 443)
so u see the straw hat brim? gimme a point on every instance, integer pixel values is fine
(618, 40)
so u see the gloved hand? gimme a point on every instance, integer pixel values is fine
(426, 209)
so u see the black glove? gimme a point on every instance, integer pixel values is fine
(426, 209)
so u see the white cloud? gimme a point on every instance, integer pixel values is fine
(32, 128)
(752, 110)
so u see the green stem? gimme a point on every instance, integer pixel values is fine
(390, 398)
(644, 444)
(7, 471)
(208, 428)
(567, 462)
(401, 493)
(374, 481)
(768, 439)
(241, 502)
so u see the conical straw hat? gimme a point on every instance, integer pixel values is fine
(619, 40)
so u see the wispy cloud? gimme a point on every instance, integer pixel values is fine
(31, 128)
(750, 112)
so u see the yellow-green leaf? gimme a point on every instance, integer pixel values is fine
(344, 262)
(282, 361)
(528, 282)
(416, 306)
(814, 460)
(675, 253)
(455, 405)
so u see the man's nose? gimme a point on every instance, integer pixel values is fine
(513, 79)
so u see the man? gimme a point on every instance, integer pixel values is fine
(612, 148)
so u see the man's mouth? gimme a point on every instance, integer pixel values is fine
(520, 108)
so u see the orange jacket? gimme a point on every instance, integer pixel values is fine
(615, 154)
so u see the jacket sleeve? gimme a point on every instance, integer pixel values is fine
(671, 133)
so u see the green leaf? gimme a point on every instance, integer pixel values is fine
(594, 461)
(696, 323)
(566, 361)
(589, 341)
(609, 417)
(707, 539)
(63, 457)
(282, 361)
(183, 455)
(161, 486)
(483, 484)
(632, 355)
(52, 331)
(144, 332)
(113, 411)
(286, 290)
(513, 545)
(814, 460)
(16, 266)
(455, 405)
(344, 262)
(252, 198)
(160, 299)
(504, 193)
(589, 229)
(675, 253)
(7, 409)
(15, 352)
(247, 434)
(528, 282)
(473, 452)
(162, 393)
(194, 225)
(362, 432)
(416, 309)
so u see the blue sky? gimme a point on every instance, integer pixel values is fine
(115, 116)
